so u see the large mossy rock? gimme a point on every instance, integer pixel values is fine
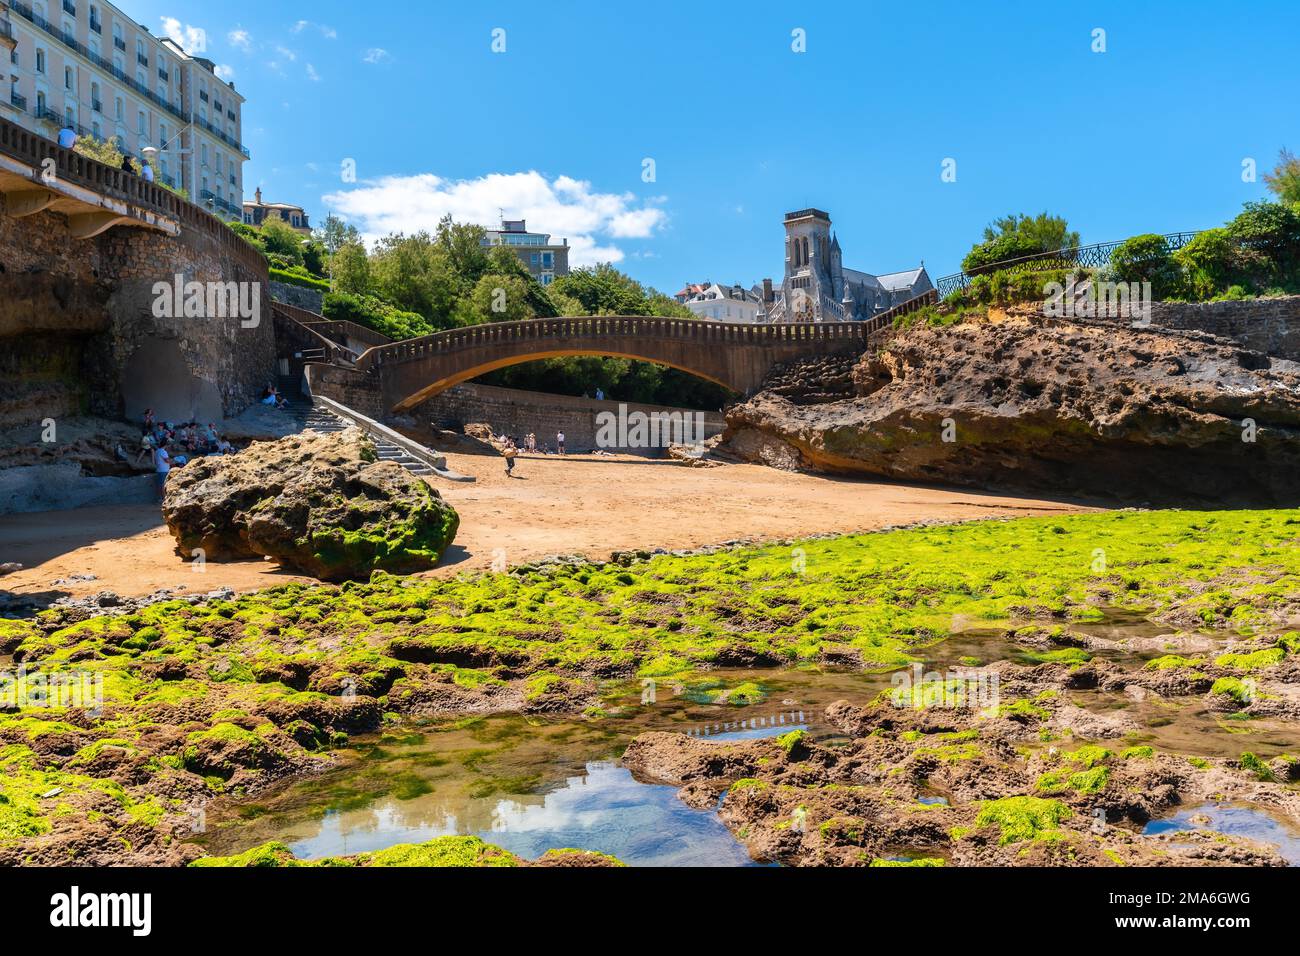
(318, 503)
(1065, 408)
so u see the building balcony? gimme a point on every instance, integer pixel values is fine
(6, 32)
(164, 75)
(47, 115)
(97, 106)
(228, 140)
(96, 26)
(70, 41)
(18, 101)
(142, 59)
(69, 8)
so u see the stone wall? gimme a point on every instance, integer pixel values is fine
(1271, 325)
(299, 296)
(79, 315)
(513, 412)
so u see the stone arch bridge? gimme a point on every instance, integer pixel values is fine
(738, 357)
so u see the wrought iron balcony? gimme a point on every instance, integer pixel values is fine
(97, 106)
(48, 115)
(163, 74)
(219, 134)
(18, 101)
(28, 14)
(96, 26)
(69, 8)
(6, 29)
(142, 59)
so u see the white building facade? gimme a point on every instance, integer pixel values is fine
(86, 64)
(719, 303)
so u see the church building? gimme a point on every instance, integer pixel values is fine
(817, 287)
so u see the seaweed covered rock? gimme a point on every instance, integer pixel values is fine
(320, 504)
(1022, 404)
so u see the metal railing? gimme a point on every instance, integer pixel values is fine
(68, 40)
(32, 150)
(18, 101)
(6, 29)
(720, 334)
(1078, 257)
(228, 140)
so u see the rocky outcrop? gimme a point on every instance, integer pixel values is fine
(1019, 403)
(320, 504)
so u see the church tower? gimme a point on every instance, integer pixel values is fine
(811, 259)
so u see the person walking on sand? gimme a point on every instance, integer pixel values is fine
(559, 442)
(510, 452)
(162, 464)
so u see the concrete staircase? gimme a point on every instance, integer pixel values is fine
(311, 414)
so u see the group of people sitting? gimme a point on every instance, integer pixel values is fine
(168, 445)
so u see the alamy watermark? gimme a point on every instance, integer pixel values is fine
(62, 690)
(179, 299)
(648, 429)
(1098, 299)
(960, 689)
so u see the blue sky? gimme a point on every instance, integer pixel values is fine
(1148, 136)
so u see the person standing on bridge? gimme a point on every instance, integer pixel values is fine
(559, 442)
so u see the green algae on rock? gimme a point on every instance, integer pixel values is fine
(227, 697)
(448, 851)
(318, 503)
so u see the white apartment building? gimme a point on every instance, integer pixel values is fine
(86, 64)
(722, 303)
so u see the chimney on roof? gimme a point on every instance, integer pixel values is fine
(768, 295)
(258, 194)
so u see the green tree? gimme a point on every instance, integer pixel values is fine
(279, 239)
(414, 275)
(462, 244)
(1145, 258)
(498, 298)
(1018, 236)
(350, 267)
(334, 234)
(1284, 180)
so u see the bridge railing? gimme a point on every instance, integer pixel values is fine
(616, 326)
(1078, 257)
(32, 150)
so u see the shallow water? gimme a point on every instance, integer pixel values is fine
(1234, 820)
(533, 784)
(530, 784)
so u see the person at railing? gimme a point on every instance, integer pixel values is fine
(126, 165)
(146, 171)
(68, 137)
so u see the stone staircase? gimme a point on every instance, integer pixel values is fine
(308, 415)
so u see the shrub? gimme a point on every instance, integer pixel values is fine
(299, 278)
(375, 314)
(1207, 263)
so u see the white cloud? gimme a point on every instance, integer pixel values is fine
(563, 206)
(312, 74)
(285, 53)
(376, 55)
(191, 39)
(224, 72)
(327, 32)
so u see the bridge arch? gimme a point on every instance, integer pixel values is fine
(735, 356)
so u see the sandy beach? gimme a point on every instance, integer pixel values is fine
(589, 505)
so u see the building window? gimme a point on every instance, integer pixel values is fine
(548, 260)
(40, 60)
(119, 109)
(69, 82)
(141, 124)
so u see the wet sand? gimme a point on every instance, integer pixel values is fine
(577, 505)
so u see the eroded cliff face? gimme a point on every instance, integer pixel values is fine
(1018, 403)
